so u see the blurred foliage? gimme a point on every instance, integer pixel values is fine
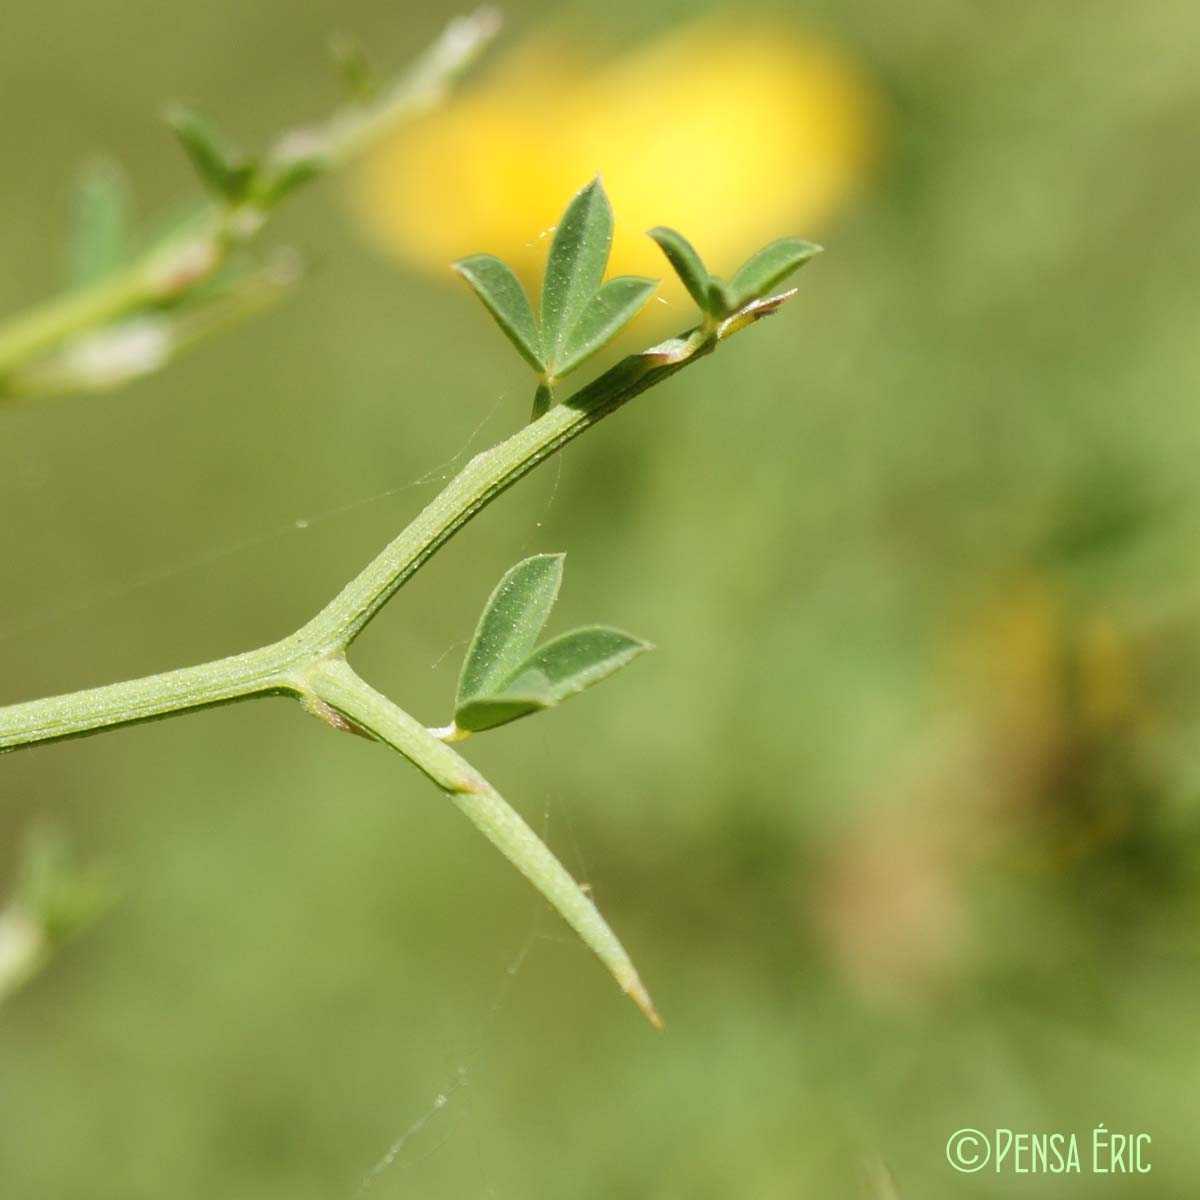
(128, 308)
(53, 900)
(900, 819)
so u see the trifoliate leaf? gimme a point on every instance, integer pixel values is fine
(578, 256)
(504, 678)
(511, 621)
(764, 271)
(605, 315)
(225, 172)
(500, 290)
(686, 262)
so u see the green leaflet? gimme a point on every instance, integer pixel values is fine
(578, 256)
(509, 626)
(504, 678)
(754, 280)
(573, 661)
(580, 315)
(225, 172)
(720, 302)
(686, 263)
(764, 271)
(606, 314)
(101, 223)
(486, 712)
(501, 292)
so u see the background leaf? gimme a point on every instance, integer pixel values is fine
(100, 223)
(686, 263)
(63, 896)
(509, 626)
(501, 291)
(768, 268)
(354, 67)
(578, 256)
(280, 179)
(605, 315)
(225, 172)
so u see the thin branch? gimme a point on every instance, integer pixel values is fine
(335, 683)
(77, 714)
(488, 475)
(168, 272)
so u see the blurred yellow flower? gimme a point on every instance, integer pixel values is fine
(734, 135)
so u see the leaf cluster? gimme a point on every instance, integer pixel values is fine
(754, 280)
(506, 675)
(580, 313)
(235, 178)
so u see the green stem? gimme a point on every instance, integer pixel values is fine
(484, 478)
(260, 672)
(334, 683)
(39, 330)
(309, 665)
(168, 270)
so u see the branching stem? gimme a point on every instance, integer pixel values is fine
(310, 664)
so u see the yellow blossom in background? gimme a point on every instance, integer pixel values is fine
(733, 135)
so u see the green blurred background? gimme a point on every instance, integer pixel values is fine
(901, 822)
